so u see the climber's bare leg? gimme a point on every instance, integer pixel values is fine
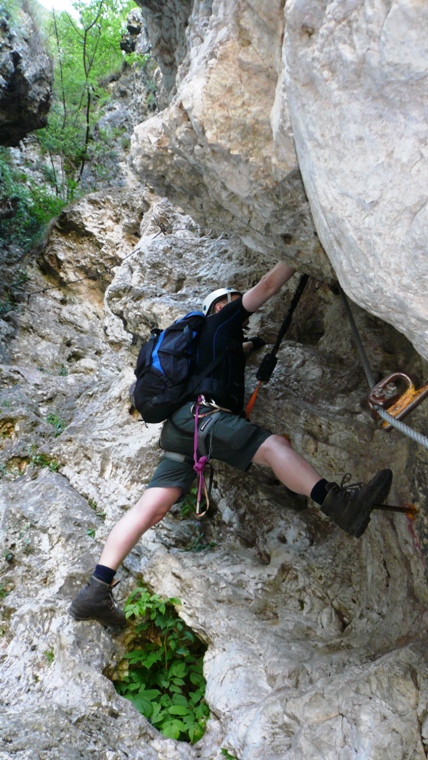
(289, 467)
(148, 511)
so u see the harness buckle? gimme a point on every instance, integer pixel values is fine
(386, 394)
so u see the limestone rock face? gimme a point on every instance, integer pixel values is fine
(316, 642)
(356, 84)
(25, 77)
(223, 151)
(167, 22)
(110, 224)
(346, 86)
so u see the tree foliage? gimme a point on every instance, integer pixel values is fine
(85, 46)
(86, 51)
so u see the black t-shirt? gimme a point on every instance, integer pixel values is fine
(225, 384)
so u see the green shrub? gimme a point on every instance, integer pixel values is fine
(34, 205)
(164, 678)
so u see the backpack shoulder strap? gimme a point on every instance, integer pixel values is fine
(197, 379)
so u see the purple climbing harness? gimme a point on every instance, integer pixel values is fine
(202, 431)
(199, 464)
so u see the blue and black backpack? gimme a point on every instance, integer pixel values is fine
(165, 368)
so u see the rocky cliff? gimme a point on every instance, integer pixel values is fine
(316, 642)
(318, 100)
(25, 74)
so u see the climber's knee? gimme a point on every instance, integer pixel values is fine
(270, 449)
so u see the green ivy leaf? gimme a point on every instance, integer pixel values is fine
(172, 728)
(175, 689)
(143, 706)
(196, 732)
(178, 669)
(157, 713)
(180, 699)
(134, 686)
(178, 710)
(197, 679)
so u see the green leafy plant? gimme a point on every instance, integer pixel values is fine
(7, 303)
(227, 754)
(199, 543)
(94, 505)
(188, 505)
(50, 656)
(164, 678)
(21, 277)
(31, 206)
(56, 422)
(151, 100)
(3, 591)
(42, 460)
(188, 509)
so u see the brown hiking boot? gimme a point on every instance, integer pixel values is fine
(350, 506)
(95, 602)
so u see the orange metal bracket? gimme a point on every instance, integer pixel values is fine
(408, 509)
(387, 395)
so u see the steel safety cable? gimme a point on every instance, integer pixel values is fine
(402, 428)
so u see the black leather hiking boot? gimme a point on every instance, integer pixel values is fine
(350, 506)
(95, 602)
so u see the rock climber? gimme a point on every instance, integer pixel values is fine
(233, 439)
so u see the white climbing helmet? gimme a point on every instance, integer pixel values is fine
(218, 295)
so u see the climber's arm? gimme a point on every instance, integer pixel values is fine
(270, 284)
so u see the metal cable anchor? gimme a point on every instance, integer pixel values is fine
(386, 395)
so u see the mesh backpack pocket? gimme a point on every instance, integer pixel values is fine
(164, 367)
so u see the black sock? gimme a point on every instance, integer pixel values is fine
(319, 492)
(104, 574)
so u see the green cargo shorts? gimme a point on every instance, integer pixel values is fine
(232, 439)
